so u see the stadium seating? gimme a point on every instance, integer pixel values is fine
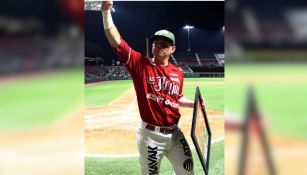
(103, 73)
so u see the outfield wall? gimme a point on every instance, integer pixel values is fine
(204, 74)
(186, 75)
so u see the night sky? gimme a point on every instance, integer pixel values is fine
(138, 20)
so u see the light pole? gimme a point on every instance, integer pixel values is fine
(188, 28)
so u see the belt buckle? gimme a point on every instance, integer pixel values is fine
(157, 129)
(163, 130)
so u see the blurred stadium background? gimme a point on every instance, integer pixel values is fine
(41, 87)
(264, 46)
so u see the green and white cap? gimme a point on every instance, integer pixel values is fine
(165, 34)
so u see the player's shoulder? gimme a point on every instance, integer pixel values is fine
(175, 68)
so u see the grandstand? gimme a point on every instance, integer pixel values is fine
(202, 64)
(96, 69)
(38, 54)
(104, 73)
(254, 33)
(197, 58)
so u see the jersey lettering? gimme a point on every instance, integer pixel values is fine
(157, 90)
(150, 80)
(172, 104)
(161, 81)
(161, 84)
(154, 97)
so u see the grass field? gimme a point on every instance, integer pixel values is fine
(103, 94)
(212, 93)
(99, 95)
(130, 165)
(39, 101)
(280, 91)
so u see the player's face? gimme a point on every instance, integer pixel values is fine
(162, 48)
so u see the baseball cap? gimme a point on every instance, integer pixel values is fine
(165, 34)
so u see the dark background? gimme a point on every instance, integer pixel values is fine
(138, 20)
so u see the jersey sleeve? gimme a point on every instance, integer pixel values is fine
(131, 59)
(181, 87)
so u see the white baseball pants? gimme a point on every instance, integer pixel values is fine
(153, 146)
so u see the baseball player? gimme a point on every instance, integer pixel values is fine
(158, 85)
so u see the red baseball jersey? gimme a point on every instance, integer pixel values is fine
(157, 88)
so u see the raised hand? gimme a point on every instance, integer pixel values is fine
(106, 5)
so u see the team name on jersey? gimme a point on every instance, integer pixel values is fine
(162, 84)
(174, 74)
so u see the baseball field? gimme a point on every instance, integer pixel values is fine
(112, 120)
(280, 91)
(42, 121)
(38, 99)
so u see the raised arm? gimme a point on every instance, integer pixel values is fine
(110, 30)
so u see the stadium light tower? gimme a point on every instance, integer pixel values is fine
(188, 27)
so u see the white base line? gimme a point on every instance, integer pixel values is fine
(111, 155)
(134, 155)
(219, 139)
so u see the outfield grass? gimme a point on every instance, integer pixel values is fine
(213, 94)
(39, 101)
(103, 94)
(280, 92)
(131, 166)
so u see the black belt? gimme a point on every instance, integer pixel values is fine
(163, 130)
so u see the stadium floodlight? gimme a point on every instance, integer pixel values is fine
(188, 27)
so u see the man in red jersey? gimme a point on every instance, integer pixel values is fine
(158, 85)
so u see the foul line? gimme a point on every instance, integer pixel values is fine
(111, 155)
(219, 139)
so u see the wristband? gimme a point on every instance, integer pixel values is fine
(107, 19)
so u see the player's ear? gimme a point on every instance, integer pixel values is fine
(173, 49)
